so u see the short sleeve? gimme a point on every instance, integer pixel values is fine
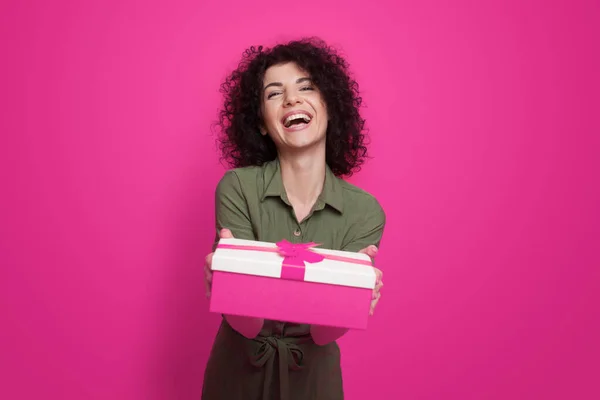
(369, 231)
(231, 208)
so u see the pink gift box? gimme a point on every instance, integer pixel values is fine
(298, 283)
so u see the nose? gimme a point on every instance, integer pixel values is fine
(292, 98)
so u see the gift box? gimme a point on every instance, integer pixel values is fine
(291, 282)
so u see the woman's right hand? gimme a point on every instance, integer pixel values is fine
(371, 251)
(223, 234)
(249, 327)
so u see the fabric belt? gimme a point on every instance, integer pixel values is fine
(286, 350)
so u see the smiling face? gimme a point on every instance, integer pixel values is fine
(294, 113)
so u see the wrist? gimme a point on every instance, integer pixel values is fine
(248, 327)
(323, 335)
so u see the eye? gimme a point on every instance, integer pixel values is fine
(307, 88)
(272, 94)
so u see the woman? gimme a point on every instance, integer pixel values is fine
(291, 127)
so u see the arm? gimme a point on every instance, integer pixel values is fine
(232, 213)
(369, 233)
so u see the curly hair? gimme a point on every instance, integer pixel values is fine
(240, 141)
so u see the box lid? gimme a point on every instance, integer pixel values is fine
(266, 259)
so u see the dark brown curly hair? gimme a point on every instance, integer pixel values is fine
(240, 141)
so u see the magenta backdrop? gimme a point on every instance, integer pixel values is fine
(484, 123)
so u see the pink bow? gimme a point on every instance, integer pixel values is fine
(294, 257)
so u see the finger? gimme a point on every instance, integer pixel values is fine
(371, 247)
(225, 234)
(377, 290)
(207, 286)
(208, 273)
(208, 268)
(374, 303)
(207, 282)
(371, 251)
(376, 296)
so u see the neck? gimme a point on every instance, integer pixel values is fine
(303, 176)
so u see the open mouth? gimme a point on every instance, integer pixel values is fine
(296, 119)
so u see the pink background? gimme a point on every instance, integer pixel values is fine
(485, 137)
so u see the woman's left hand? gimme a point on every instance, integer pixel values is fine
(371, 251)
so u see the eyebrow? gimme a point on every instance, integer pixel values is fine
(279, 84)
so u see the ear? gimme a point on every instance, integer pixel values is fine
(263, 130)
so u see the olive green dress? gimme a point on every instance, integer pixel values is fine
(283, 363)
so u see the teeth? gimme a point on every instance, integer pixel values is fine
(292, 117)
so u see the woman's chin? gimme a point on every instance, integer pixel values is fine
(296, 146)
